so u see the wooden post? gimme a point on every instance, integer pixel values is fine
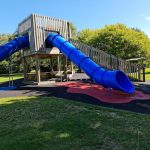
(139, 73)
(38, 72)
(72, 68)
(66, 65)
(143, 73)
(111, 65)
(59, 66)
(117, 63)
(25, 68)
(52, 59)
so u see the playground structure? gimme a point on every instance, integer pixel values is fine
(109, 79)
(36, 28)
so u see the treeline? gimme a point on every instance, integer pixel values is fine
(4, 38)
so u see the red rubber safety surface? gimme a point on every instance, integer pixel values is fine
(103, 94)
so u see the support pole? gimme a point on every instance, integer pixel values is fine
(11, 83)
(38, 71)
(139, 73)
(59, 66)
(12, 80)
(9, 74)
(52, 65)
(25, 68)
(72, 68)
(58, 63)
(143, 73)
(66, 66)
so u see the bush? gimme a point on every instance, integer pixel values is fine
(120, 41)
(4, 67)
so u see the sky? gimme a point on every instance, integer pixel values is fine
(91, 14)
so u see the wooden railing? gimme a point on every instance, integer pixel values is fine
(108, 61)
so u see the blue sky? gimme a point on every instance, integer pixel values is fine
(83, 13)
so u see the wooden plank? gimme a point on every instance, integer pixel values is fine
(36, 32)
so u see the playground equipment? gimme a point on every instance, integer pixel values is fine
(13, 46)
(36, 29)
(113, 79)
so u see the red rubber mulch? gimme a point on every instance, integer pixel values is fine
(103, 94)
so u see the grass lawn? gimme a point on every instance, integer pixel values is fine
(42, 123)
(6, 78)
(147, 73)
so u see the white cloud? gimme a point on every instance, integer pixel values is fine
(147, 18)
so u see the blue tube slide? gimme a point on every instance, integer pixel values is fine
(111, 79)
(13, 46)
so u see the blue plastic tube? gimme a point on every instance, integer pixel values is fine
(13, 46)
(112, 79)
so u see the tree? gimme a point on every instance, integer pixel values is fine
(73, 31)
(4, 67)
(121, 41)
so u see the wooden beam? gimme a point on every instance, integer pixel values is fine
(38, 71)
(25, 68)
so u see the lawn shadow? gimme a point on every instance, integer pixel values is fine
(17, 82)
(141, 106)
(143, 86)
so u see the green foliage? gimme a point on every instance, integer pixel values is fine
(87, 36)
(120, 40)
(147, 74)
(73, 31)
(4, 38)
(4, 67)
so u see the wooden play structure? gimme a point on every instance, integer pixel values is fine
(38, 27)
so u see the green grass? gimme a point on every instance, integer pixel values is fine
(147, 71)
(41, 123)
(6, 78)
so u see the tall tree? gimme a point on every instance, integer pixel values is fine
(121, 41)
